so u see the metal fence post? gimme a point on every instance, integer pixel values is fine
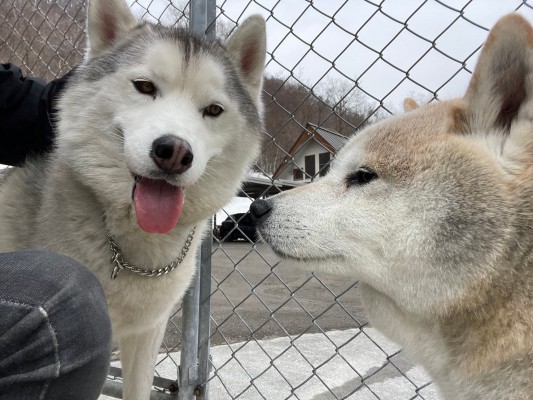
(198, 17)
(204, 332)
(188, 371)
(196, 306)
(194, 363)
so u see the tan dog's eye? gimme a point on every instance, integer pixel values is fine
(145, 86)
(362, 176)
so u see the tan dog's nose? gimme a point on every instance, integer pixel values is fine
(259, 209)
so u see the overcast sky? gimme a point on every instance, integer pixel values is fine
(303, 40)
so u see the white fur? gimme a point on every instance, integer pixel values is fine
(106, 131)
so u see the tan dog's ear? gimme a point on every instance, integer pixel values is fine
(502, 81)
(410, 104)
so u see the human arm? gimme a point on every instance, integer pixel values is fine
(27, 108)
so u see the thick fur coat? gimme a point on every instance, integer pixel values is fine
(139, 83)
(433, 212)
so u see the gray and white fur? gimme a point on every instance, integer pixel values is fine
(106, 132)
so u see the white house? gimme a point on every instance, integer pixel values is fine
(310, 155)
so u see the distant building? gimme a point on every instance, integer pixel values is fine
(310, 155)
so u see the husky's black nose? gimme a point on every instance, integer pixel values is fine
(172, 154)
(258, 209)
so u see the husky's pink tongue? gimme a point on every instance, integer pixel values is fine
(157, 204)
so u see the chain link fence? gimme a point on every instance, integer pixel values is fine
(333, 67)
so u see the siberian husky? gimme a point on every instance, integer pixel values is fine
(433, 212)
(156, 130)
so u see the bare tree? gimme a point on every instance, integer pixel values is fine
(43, 37)
(290, 105)
(349, 109)
(176, 13)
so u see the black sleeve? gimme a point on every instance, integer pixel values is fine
(26, 114)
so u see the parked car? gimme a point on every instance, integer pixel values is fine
(237, 226)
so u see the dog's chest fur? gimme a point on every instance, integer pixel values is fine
(65, 216)
(468, 359)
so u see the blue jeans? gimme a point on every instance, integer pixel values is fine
(55, 333)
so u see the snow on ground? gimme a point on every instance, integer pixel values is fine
(276, 368)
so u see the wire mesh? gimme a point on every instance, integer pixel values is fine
(333, 67)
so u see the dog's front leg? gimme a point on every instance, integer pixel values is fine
(138, 353)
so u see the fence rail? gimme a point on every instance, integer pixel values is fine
(251, 328)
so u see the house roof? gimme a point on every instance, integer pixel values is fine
(331, 140)
(258, 184)
(335, 139)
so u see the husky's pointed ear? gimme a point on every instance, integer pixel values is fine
(410, 104)
(247, 46)
(107, 21)
(503, 79)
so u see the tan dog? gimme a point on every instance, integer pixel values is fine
(433, 212)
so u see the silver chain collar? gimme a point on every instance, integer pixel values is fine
(120, 263)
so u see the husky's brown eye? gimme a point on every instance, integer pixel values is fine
(145, 87)
(362, 176)
(213, 110)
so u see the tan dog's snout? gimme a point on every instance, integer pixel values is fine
(260, 209)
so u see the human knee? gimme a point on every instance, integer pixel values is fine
(70, 311)
(77, 310)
